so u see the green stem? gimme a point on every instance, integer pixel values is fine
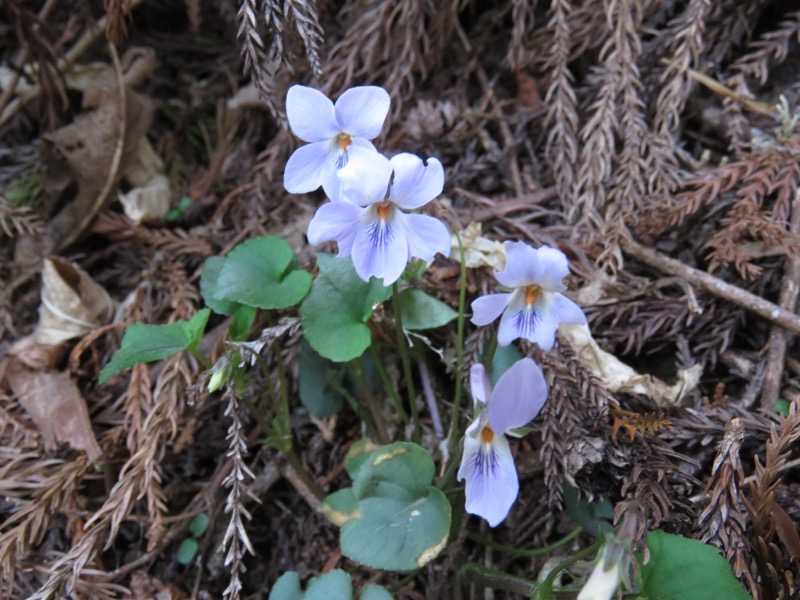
(517, 552)
(387, 385)
(547, 584)
(498, 580)
(404, 356)
(356, 368)
(454, 435)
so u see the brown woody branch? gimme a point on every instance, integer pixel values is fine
(714, 285)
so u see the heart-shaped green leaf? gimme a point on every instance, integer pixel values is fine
(335, 312)
(208, 287)
(334, 585)
(147, 343)
(315, 378)
(402, 521)
(260, 273)
(681, 568)
(422, 311)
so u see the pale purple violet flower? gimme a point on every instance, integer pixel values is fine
(487, 464)
(368, 223)
(535, 308)
(337, 134)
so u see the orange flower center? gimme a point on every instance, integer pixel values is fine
(344, 141)
(531, 293)
(383, 209)
(487, 435)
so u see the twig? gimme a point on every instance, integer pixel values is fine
(714, 285)
(430, 398)
(64, 64)
(776, 356)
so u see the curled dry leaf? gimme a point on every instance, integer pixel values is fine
(620, 378)
(478, 250)
(57, 407)
(73, 304)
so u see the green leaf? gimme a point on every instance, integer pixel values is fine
(374, 592)
(208, 287)
(335, 312)
(287, 587)
(199, 525)
(316, 375)
(504, 357)
(260, 273)
(241, 323)
(334, 585)
(357, 455)
(340, 506)
(402, 520)
(595, 517)
(685, 569)
(148, 343)
(187, 551)
(422, 311)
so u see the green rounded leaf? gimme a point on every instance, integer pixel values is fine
(680, 568)
(335, 312)
(340, 506)
(199, 525)
(374, 592)
(187, 551)
(147, 343)
(402, 520)
(316, 374)
(398, 535)
(260, 273)
(287, 587)
(504, 357)
(334, 585)
(208, 287)
(401, 471)
(422, 311)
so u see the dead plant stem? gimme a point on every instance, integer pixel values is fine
(778, 338)
(714, 285)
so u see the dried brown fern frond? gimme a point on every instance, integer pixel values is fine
(19, 220)
(236, 539)
(47, 485)
(723, 521)
(774, 580)
(118, 227)
(140, 478)
(395, 43)
(575, 398)
(260, 66)
(657, 478)
(685, 45)
(304, 15)
(562, 113)
(523, 13)
(772, 48)
(634, 422)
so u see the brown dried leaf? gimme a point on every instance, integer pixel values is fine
(57, 407)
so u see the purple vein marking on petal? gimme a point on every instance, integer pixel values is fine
(525, 321)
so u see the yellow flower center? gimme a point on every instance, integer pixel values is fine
(487, 435)
(343, 140)
(531, 293)
(383, 209)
